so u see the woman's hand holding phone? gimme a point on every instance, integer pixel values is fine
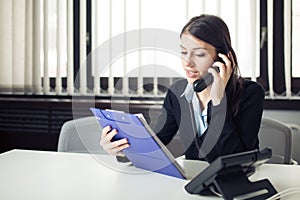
(112, 147)
(220, 79)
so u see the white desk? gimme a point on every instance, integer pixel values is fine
(50, 175)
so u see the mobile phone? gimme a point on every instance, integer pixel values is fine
(201, 84)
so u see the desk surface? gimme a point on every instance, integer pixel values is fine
(52, 175)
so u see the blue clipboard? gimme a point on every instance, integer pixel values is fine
(146, 151)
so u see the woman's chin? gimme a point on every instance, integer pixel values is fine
(191, 80)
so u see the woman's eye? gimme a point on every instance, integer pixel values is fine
(183, 52)
(200, 54)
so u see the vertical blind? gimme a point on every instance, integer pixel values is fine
(37, 45)
(112, 18)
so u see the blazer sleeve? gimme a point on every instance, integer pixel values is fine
(240, 134)
(250, 114)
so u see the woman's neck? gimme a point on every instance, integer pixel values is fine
(204, 98)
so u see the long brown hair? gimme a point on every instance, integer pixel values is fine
(213, 30)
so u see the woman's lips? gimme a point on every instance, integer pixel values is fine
(191, 74)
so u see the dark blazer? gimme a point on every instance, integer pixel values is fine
(224, 134)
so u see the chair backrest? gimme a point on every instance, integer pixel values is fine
(295, 142)
(80, 135)
(277, 136)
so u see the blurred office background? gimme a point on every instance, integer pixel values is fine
(58, 58)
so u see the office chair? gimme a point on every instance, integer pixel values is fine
(80, 136)
(295, 142)
(277, 136)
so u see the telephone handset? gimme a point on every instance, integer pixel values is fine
(201, 84)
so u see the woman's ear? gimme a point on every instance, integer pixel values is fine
(230, 56)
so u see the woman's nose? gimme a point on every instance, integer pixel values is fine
(187, 61)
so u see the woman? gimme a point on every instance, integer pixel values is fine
(222, 119)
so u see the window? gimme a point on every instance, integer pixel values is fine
(33, 46)
(268, 55)
(278, 66)
(295, 38)
(154, 65)
(56, 22)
